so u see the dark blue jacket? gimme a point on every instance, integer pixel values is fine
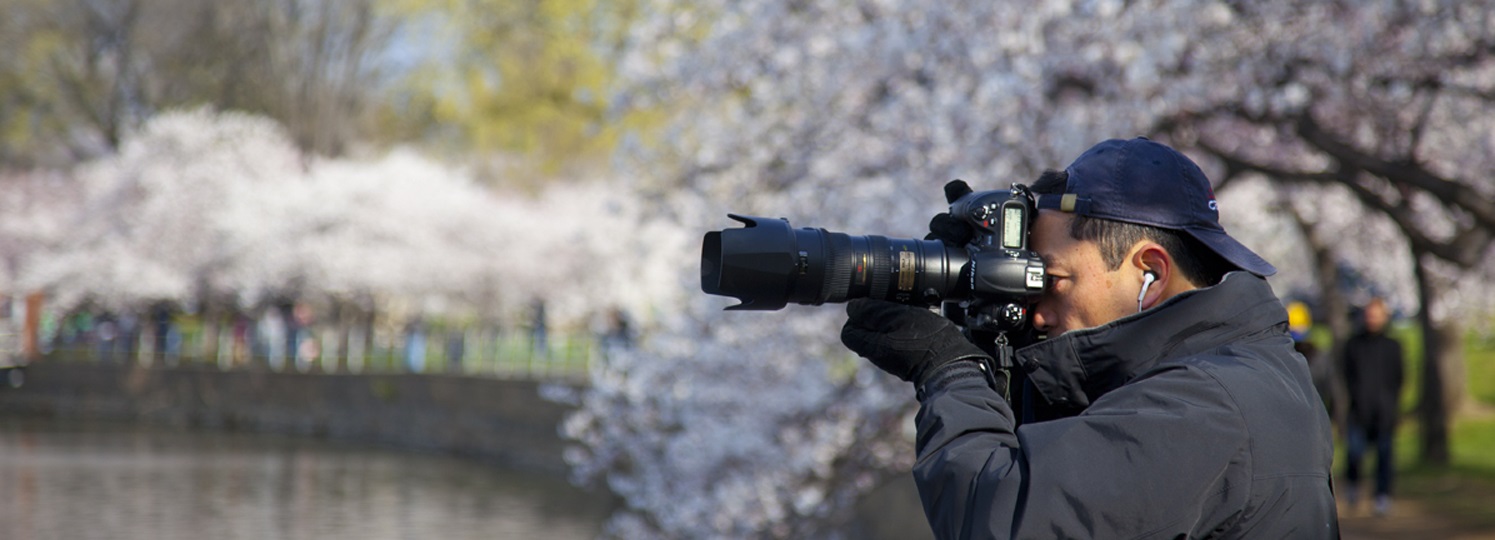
(1197, 420)
(1373, 372)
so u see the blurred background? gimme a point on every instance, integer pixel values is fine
(393, 268)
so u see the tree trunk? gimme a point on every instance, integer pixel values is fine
(1451, 365)
(1432, 407)
(1335, 307)
(369, 319)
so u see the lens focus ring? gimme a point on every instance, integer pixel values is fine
(839, 265)
(881, 268)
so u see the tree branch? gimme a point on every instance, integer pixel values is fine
(1464, 249)
(1406, 172)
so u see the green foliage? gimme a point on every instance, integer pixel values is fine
(30, 99)
(1479, 360)
(532, 78)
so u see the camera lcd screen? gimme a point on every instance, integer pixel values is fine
(1012, 227)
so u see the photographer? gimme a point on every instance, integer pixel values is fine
(1167, 400)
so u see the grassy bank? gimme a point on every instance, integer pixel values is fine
(1463, 491)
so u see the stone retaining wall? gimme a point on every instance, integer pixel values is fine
(498, 420)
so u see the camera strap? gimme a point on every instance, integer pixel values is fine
(999, 367)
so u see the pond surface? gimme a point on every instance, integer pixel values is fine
(85, 480)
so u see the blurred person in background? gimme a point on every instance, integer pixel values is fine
(539, 331)
(1320, 364)
(415, 345)
(1373, 372)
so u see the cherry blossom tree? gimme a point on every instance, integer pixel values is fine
(1382, 123)
(219, 212)
(33, 208)
(850, 115)
(151, 225)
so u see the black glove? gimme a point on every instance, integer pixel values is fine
(909, 342)
(953, 231)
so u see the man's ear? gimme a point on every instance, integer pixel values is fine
(1151, 258)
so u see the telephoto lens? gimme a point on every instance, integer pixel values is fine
(767, 264)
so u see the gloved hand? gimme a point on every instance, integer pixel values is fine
(953, 231)
(909, 342)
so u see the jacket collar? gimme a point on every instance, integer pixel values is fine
(1076, 368)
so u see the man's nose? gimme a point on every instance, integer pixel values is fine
(1041, 322)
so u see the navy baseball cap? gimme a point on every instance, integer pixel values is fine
(1145, 182)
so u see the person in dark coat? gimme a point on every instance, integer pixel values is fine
(1167, 400)
(1373, 373)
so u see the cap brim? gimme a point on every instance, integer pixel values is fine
(1233, 251)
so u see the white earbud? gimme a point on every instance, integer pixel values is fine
(1147, 279)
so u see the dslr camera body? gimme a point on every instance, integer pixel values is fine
(986, 285)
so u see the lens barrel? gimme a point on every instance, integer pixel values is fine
(767, 265)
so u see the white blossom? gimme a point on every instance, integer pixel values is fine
(851, 115)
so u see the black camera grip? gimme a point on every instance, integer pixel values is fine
(956, 189)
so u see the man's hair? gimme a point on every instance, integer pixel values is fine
(1197, 262)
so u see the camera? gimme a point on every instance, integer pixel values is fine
(986, 285)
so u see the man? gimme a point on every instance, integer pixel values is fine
(1373, 373)
(1177, 405)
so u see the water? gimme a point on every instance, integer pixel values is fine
(77, 480)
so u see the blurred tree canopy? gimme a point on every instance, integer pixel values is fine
(529, 81)
(82, 72)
